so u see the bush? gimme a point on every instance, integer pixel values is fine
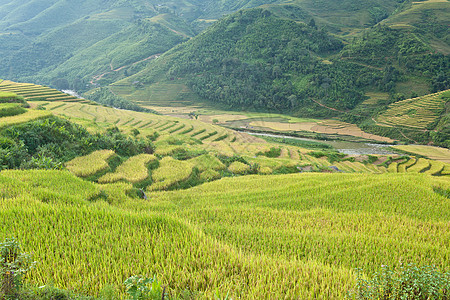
(142, 288)
(227, 161)
(12, 110)
(51, 142)
(14, 265)
(272, 153)
(332, 156)
(406, 282)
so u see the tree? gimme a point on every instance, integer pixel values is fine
(312, 23)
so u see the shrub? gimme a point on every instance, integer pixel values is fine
(142, 288)
(11, 110)
(227, 161)
(332, 156)
(406, 282)
(273, 152)
(14, 265)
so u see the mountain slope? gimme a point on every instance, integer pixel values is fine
(39, 37)
(267, 58)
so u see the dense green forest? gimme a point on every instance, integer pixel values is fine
(92, 42)
(257, 59)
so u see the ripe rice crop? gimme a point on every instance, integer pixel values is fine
(238, 168)
(207, 162)
(85, 166)
(7, 95)
(265, 170)
(35, 92)
(393, 167)
(262, 161)
(170, 171)
(420, 166)
(436, 153)
(416, 112)
(29, 115)
(402, 167)
(133, 170)
(257, 237)
(436, 167)
(209, 175)
(446, 170)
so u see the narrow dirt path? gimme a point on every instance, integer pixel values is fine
(408, 138)
(98, 77)
(330, 108)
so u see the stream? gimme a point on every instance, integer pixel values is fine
(72, 93)
(349, 148)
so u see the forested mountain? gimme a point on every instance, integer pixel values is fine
(88, 42)
(74, 43)
(282, 55)
(266, 58)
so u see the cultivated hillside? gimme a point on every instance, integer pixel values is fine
(250, 238)
(207, 210)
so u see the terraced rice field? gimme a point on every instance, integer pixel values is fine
(91, 164)
(170, 172)
(297, 236)
(191, 135)
(207, 162)
(326, 127)
(133, 170)
(33, 92)
(436, 153)
(141, 121)
(29, 115)
(416, 112)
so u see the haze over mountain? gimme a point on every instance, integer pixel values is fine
(268, 58)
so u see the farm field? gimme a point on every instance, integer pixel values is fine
(25, 117)
(415, 113)
(212, 210)
(177, 135)
(187, 157)
(32, 92)
(435, 153)
(269, 122)
(224, 149)
(253, 237)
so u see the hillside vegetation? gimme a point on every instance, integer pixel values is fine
(70, 44)
(265, 58)
(421, 120)
(255, 59)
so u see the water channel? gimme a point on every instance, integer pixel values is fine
(349, 148)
